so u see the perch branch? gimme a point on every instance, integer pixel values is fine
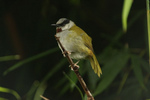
(75, 69)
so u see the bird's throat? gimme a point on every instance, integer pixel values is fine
(58, 30)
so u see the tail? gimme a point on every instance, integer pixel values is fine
(95, 65)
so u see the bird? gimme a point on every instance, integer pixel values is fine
(77, 42)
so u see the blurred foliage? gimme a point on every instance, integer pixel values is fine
(126, 8)
(148, 23)
(6, 90)
(31, 65)
(11, 57)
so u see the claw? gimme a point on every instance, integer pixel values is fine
(77, 62)
(66, 52)
(75, 66)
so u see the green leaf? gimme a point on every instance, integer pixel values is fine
(64, 90)
(73, 78)
(145, 65)
(61, 82)
(6, 90)
(74, 84)
(125, 12)
(131, 91)
(40, 91)
(111, 70)
(32, 90)
(135, 63)
(45, 79)
(67, 85)
(148, 25)
(85, 97)
(19, 64)
(3, 98)
(10, 57)
(123, 81)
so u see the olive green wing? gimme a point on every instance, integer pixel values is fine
(84, 36)
(87, 41)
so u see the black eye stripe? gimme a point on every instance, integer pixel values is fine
(64, 22)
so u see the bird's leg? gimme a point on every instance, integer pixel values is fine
(65, 53)
(75, 66)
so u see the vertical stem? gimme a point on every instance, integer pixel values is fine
(148, 25)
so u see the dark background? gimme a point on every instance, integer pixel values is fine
(25, 30)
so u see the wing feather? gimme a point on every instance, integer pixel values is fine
(87, 39)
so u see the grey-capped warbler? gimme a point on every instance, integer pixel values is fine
(76, 42)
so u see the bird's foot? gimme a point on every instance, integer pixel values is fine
(65, 53)
(75, 66)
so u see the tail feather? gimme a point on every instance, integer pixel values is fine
(95, 65)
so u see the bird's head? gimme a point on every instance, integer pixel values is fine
(63, 24)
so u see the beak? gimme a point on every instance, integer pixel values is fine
(56, 25)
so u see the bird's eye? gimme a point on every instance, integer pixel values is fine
(64, 22)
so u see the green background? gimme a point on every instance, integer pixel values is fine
(40, 68)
